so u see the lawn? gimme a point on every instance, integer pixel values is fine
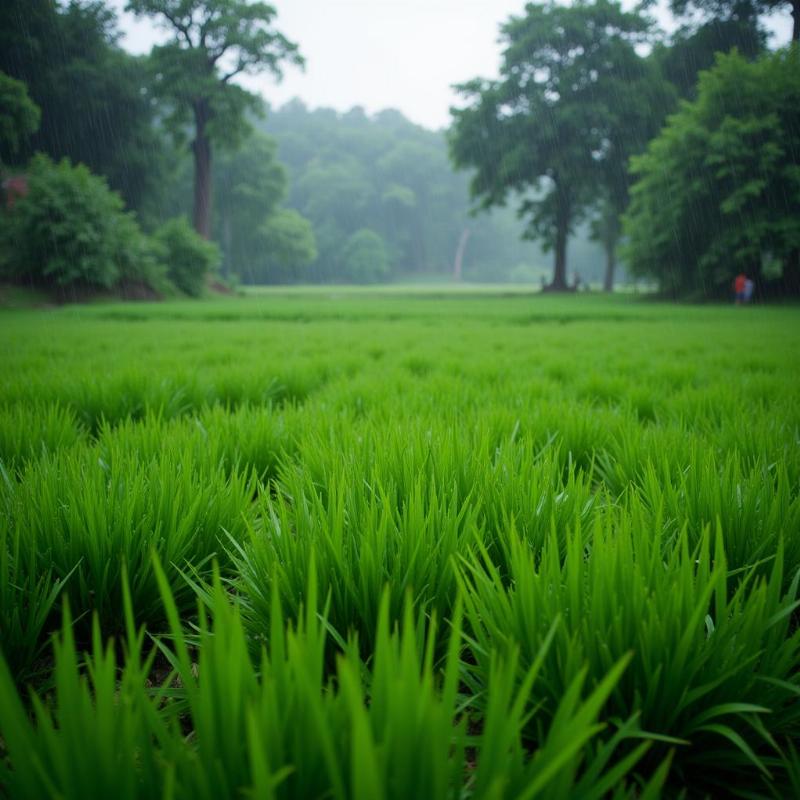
(408, 543)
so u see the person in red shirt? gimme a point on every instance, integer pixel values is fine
(739, 286)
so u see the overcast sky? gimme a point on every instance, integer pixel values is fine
(403, 54)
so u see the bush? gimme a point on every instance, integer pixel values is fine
(365, 257)
(71, 231)
(289, 246)
(188, 258)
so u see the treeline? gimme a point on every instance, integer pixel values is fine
(667, 155)
(358, 177)
(303, 196)
(362, 199)
(682, 154)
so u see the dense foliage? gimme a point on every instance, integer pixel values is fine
(382, 172)
(19, 116)
(746, 11)
(364, 257)
(395, 546)
(248, 187)
(718, 191)
(693, 48)
(288, 247)
(71, 231)
(97, 107)
(189, 259)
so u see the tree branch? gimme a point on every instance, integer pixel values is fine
(180, 27)
(240, 67)
(203, 27)
(216, 55)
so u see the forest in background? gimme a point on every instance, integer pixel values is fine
(556, 160)
(378, 180)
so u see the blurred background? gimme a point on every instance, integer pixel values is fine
(413, 142)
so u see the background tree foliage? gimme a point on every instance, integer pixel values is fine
(348, 171)
(365, 258)
(189, 259)
(19, 116)
(250, 184)
(718, 191)
(693, 47)
(97, 107)
(303, 195)
(288, 247)
(710, 10)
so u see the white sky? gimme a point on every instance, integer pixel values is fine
(403, 54)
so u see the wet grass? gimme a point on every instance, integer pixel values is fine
(400, 545)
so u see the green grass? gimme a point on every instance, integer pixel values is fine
(432, 543)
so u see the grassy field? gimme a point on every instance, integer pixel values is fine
(335, 544)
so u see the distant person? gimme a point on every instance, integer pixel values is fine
(739, 284)
(749, 285)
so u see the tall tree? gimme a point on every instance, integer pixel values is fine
(213, 41)
(543, 130)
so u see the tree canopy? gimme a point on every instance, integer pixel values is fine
(737, 10)
(718, 191)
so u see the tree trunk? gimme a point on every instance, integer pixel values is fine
(795, 21)
(459, 260)
(202, 172)
(611, 263)
(227, 238)
(791, 274)
(563, 211)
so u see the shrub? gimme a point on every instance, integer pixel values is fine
(188, 258)
(71, 231)
(365, 257)
(289, 246)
